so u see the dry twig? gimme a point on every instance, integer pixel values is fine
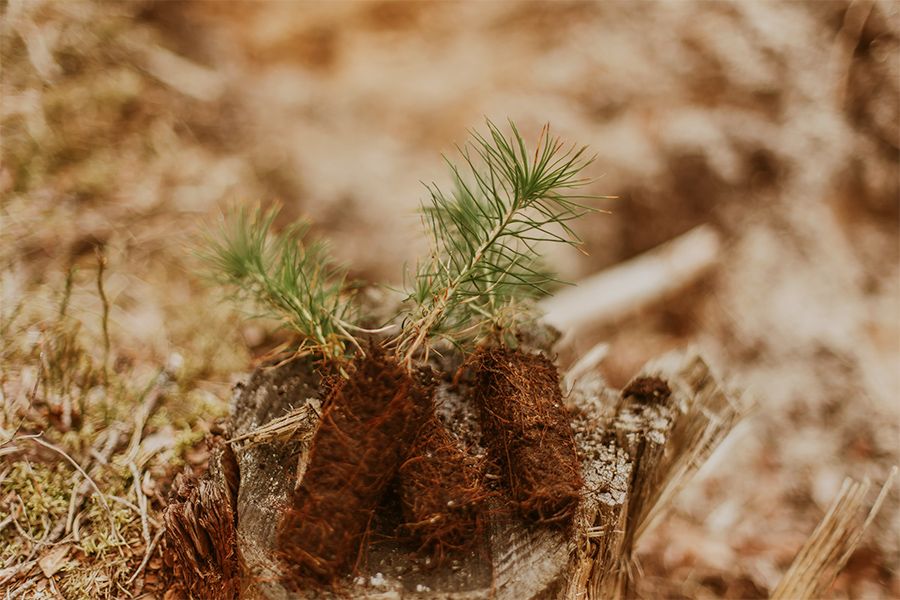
(151, 547)
(101, 267)
(286, 427)
(631, 285)
(84, 486)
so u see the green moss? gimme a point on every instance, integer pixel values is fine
(38, 494)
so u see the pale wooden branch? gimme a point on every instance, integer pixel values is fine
(179, 73)
(829, 547)
(633, 284)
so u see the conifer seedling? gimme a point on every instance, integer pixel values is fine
(284, 276)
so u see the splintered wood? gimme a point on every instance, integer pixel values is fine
(641, 448)
(200, 548)
(829, 547)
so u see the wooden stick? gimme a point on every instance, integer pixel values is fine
(631, 285)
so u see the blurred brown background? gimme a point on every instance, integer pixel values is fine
(130, 125)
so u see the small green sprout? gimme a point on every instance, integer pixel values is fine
(485, 233)
(284, 276)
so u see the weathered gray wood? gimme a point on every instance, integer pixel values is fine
(268, 470)
(642, 455)
(528, 562)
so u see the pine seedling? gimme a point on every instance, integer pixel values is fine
(484, 269)
(485, 260)
(284, 276)
(485, 266)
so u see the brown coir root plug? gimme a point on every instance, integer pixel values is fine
(526, 429)
(369, 422)
(442, 491)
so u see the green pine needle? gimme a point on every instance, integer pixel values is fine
(505, 201)
(284, 277)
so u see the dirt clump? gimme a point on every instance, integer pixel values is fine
(526, 430)
(648, 390)
(369, 422)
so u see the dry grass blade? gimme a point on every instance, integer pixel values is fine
(142, 414)
(835, 538)
(151, 547)
(84, 486)
(141, 501)
(101, 267)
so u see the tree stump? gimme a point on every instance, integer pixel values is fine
(637, 451)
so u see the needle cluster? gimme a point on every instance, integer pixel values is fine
(505, 201)
(284, 276)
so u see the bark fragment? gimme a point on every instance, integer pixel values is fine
(200, 548)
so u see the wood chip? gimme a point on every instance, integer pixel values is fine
(54, 560)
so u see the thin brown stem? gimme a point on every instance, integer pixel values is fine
(101, 267)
